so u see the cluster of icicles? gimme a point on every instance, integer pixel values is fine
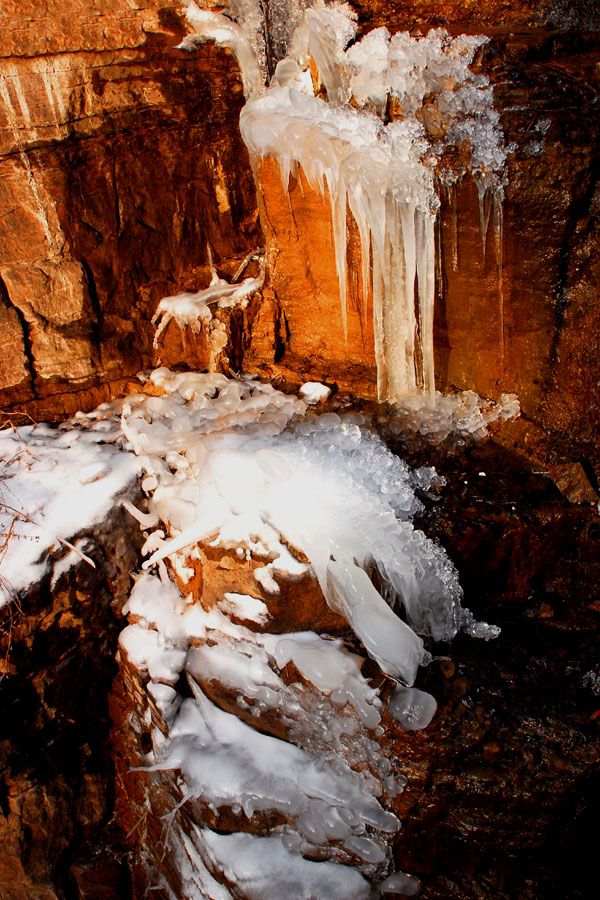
(235, 464)
(384, 173)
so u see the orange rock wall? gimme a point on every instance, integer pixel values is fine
(120, 156)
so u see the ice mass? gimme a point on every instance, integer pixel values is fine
(234, 464)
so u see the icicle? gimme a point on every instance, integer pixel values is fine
(380, 357)
(426, 283)
(383, 172)
(499, 239)
(486, 200)
(356, 202)
(337, 195)
(454, 227)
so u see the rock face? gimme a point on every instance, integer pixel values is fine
(57, 648)
(468, 15)
(120, 158)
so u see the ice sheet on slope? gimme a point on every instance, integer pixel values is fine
(324, 485)
(265, 870)
(225, 762)
(55, 483)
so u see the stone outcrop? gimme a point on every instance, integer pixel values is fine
(512, 752)
(57, 647)
(120, 158)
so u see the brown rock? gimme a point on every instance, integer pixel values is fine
(468, 14)
(57, 649)
(299, 605)
(571, 480)
(120, 157)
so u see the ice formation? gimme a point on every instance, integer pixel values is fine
(313, 392)
(235, 464)
(330, 717)
(228, 465)
(55, 483)
(458, 417)
(193, 309)
(384, 171)
(242, 42)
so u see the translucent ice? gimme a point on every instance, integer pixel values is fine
(412, 709)
(230, 466)
(225, 762)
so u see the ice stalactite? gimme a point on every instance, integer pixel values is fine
(376, 127)
(193, 310)
(491, 210)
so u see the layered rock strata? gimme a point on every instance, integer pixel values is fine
(120, 159)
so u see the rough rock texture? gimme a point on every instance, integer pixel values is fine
(57, 646)
(471, 14)
(296, 607)
(514, 749)
(120, 157)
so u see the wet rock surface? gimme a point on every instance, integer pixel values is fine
(512, 756)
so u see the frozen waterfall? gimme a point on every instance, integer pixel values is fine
(373, 128)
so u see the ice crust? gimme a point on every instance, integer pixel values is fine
(330, 719)
(265, 870)
(387, 175)
(230, 465)
(233, 463)
(459, 417)
(193, 309)
(227, 763)
(55, 483)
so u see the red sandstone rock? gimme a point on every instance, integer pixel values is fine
(120, 157)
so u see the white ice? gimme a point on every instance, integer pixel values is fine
(226, 762)
(265, 870)
(382, 173)
(238, 479)
(314, 392)
(55, 483)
